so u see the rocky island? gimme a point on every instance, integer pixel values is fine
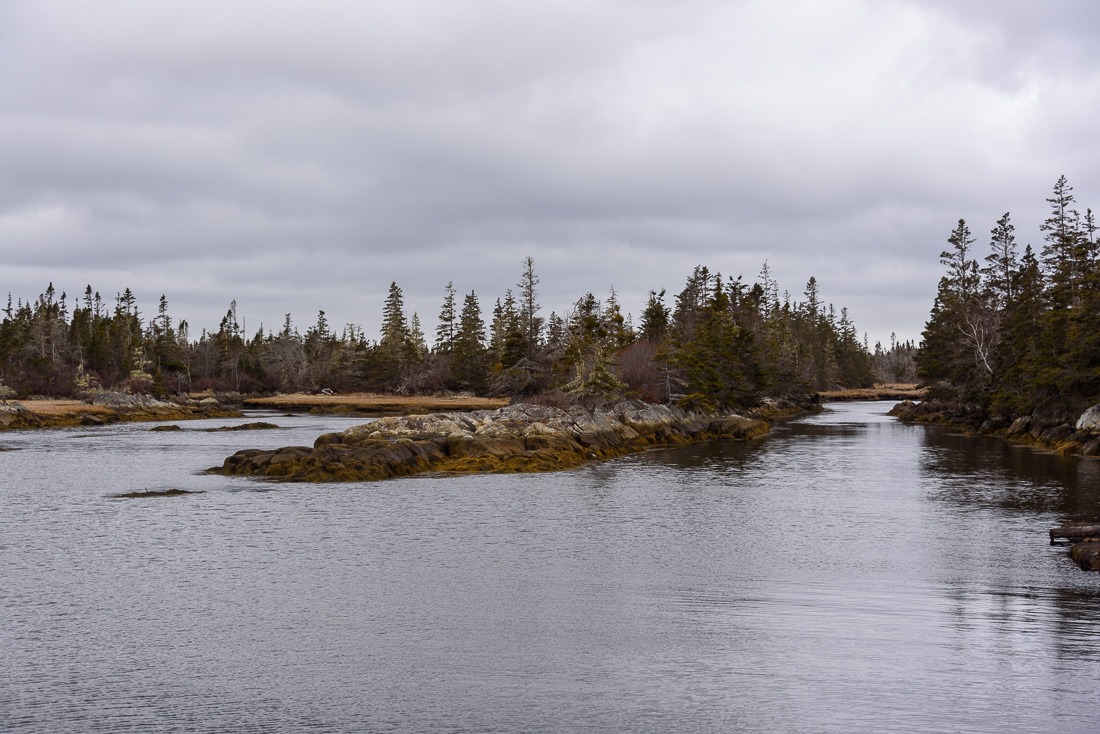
(517, 438)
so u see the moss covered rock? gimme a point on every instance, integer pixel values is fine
(517, 438)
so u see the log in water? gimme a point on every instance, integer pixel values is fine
(1074, 532)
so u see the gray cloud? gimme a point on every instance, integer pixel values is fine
(299, 157)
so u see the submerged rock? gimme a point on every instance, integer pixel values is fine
(257, 426)
(1086, 554)
(156, 493)
(516, 438)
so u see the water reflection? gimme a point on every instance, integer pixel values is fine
(974, 472)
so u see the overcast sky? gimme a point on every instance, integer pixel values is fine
(298, 156)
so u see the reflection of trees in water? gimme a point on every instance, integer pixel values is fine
(1077, 638)
(980, 472)
(709, 455)
(1012, 583)
(1029, 625)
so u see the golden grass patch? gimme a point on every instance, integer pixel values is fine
(890, 391)
(367, 402)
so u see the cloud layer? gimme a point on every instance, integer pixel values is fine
(298, 157)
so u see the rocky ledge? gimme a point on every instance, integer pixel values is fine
(517, 438)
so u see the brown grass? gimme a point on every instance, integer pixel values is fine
(369, 403)
(61, 408)
(67, 413)
(890, 391)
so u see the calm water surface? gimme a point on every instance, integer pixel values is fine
(847, 573)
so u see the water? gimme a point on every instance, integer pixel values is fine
(848, 573)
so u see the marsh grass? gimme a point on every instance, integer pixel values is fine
(370, 403)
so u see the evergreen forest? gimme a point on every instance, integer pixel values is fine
(1016, 333)
(719, 342)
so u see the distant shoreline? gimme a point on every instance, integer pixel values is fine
(373, 403)
(891, 391)
(30, 414)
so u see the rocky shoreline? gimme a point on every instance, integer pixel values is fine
(106, 407)
(514, 439)
(1081, 438)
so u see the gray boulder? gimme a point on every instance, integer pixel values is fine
(1089, 420)
(126, 401)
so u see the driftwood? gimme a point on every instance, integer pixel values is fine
(1085, 540)
(1074, 532)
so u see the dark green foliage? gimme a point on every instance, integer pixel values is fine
(508, 342)
(731, 345)
(469, 358)
(586, 361)
(448, 322)
(400, 350)
(1020, 336)
(715, 354)
(962, 332)
(725, 343)
(530, 321)
(655, 317)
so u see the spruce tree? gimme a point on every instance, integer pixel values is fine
(655, 317)
(531, 323)
(1025, 376)
(469, 359)
(394, 348)
(587, 355)
(448, 322)
(960, 334)
(1001, 261)
(619, 335)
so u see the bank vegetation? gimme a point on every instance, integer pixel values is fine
(719, 343)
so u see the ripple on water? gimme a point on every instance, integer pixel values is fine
(846, 573)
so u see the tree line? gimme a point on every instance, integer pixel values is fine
(1019, 334)
(719, 342)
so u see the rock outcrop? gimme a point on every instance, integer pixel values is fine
(14, 414)
(130, 402)
(517, 438)
(1089, 420)
(1086, 554)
